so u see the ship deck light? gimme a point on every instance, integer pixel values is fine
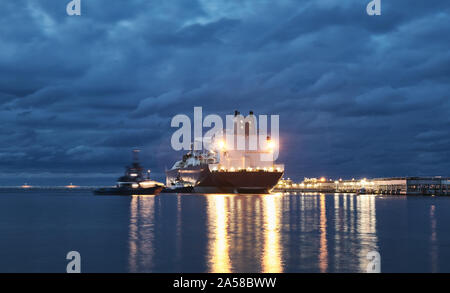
(221, 144)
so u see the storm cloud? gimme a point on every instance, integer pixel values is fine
(357, 95)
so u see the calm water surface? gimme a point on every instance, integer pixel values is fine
(222, 233)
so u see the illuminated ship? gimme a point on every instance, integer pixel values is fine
(225, 168)
(135, 181)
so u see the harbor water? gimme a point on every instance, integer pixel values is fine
(222, 233)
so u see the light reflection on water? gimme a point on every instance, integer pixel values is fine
(433, 240)
(271, 258)
(141, 235)
(252, 233)
(218, 247)
(323, 255)
(223, 233)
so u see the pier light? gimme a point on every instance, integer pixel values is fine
(71, 186)
(135, 185)
(249, 169)
(323, 179)
(232, 169)
(265, 169)
(271, 170)
(278, 169)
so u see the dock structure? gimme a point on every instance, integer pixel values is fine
(394, 185)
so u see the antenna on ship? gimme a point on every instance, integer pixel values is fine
(136, 155)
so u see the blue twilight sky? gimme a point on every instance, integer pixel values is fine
(357, 95)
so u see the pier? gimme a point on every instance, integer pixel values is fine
(394, 185)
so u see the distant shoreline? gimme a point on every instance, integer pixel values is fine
(52, 187)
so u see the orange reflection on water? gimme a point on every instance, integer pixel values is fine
(366, 227)
(141, 232)
(271, 262)
(323, 249)
(218, 211)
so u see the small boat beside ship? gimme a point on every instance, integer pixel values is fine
(135, 181)
(179, 186)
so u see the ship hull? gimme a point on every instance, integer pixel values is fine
(205, 181)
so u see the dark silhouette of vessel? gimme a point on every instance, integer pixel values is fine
(135, 181)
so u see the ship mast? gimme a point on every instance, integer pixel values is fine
(135, 155)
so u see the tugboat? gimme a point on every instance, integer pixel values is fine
(133, 182)
(179, 186)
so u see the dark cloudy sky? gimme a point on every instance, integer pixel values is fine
(357, 95)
